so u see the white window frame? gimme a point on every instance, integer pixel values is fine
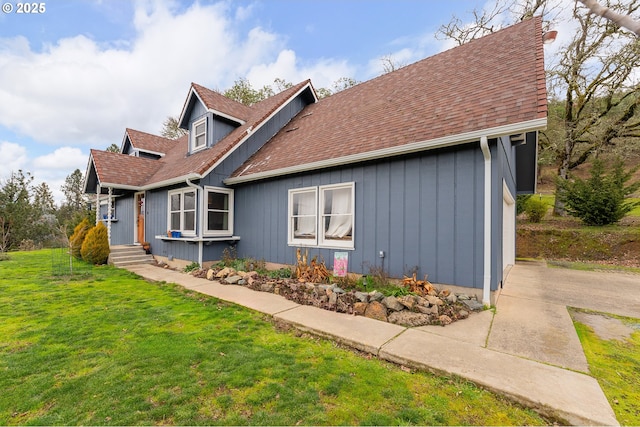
(182, 211)
(297, 241)
(194, 135)
(229, 211)
(322, 239)
(319, 194)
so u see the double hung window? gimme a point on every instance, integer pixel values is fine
(219, 211)
(182, 211)
(322, 216)
(199, 134)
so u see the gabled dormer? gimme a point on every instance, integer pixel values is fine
(142, 144)
(210, 116)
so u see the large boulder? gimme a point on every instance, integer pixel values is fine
(376, 310)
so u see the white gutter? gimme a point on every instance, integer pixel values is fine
(200, 219)
(486, 285)
(446, 141)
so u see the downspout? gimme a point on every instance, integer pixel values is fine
(486, 285)
(200, 217)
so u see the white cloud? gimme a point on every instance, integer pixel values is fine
(13, 156)
(83, 93)
(65, 158)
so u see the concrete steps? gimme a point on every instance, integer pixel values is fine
(125, 255)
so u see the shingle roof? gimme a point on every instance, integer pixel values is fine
(122, 169)
(128, 171)
(216, 101)
(148, 142)
(490, 82)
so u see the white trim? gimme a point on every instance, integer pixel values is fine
(508, 227)
(193, 135)
(322, 240)
(182, 192)
(230, 211)
(192, 91)
(291, 240)
(319, 241)
(486, 283)
(413, 147)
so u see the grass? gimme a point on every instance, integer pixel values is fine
(109, 348)
(616, 365)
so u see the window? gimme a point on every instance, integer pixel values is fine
(337, 215)
(219, 211)
(199, 134)
(182, 211)
(302, 216)
(322, 216)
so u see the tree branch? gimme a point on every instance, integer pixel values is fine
(622, 20)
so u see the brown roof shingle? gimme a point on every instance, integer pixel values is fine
(148, 142)
(494, 81)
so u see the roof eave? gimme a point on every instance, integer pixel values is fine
(446, 141)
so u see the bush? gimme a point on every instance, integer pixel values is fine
(521, 202)
(600, 199)
(78, 236)
(535, 209)
(95, 248)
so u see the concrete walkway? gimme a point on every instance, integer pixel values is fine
(528, 351)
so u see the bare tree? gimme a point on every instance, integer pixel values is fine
(171, 129)
(591, 80)
(625, 21)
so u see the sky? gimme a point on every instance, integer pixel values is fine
(76, 75)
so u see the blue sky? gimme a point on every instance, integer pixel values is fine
(75, 76)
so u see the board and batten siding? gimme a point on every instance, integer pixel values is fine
(424, 211)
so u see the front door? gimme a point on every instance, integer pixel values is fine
(139, 222)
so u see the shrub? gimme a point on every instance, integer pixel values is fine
(193, 266)
(95, 248)
(78, 236)
(600, 199)
(521, 202)
(535, 209)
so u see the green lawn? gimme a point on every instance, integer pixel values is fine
(616, 365)
(108, 348)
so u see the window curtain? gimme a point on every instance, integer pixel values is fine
(338, 206)
(305, 205)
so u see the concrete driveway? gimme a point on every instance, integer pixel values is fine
(532, 319)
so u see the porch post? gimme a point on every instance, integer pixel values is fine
(109, 215)
(98, 190)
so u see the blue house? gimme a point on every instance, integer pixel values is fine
(416, 170)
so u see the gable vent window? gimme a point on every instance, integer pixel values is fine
(199, 134)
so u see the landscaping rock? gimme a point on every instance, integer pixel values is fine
(392, 303)
(225, 272)
(232, 280)
(361, 296)
(408, 301)
(473, 304)
(433, 300)
(409, 318)
(267, 287)
(445, 320)
(376, 310)
(375, 296)
(437, 307)
(359, 308)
